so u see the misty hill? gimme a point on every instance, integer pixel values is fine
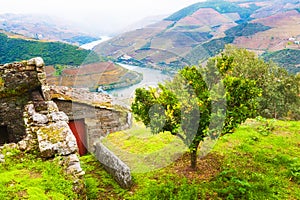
(201, 30)
(43, 28)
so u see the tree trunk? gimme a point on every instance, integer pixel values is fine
(193, 149)
(194, 159)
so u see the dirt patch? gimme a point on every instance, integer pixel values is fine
(207, 167)
(33, 174)
(22, 194)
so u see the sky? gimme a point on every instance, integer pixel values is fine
(100, 15)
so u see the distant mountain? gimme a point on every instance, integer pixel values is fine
(42, 27)
(201, 30)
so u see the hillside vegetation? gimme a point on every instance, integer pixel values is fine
(12, 50)
(287, 58)
(220, 6)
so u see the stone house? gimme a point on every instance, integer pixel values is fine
(58, 120)
(91, 115)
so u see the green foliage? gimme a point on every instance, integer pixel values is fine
(241, 92)
(246, 29)
(280, 90)
(295, 170)
(235, 187)
(267, 125)
(173, 108)
(59, 69)
(185, 104)
(259, 167)
(253, 166)
(12, 50)
(286, 58)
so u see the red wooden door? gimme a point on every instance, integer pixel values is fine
(78, 129)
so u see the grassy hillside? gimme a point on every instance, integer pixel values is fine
(259, 161)
(25, 176)
(12, 50)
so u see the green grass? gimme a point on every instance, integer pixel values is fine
(143, 151)
(25, 176)
(261, 160)
(99, 184)
(258, 165)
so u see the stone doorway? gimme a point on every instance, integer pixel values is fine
(4, 136)
(78, 129)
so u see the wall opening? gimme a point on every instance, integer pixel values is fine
(4, 136)
(78, 129)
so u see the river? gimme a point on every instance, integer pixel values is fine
(91, 45)
(151, 77)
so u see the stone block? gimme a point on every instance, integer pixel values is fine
(116, 167)
(38, 62)
(56, 139)
(58, 116)
(39, 118)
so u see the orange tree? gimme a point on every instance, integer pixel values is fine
(185, 106)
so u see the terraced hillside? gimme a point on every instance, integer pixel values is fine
(67, 65)
(106, 74)
(201, 30)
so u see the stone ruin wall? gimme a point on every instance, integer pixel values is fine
(31, 121)
(17, 82)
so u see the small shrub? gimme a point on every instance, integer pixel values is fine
(295, 171)
(267, 126)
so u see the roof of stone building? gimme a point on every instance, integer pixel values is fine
(81, 95)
